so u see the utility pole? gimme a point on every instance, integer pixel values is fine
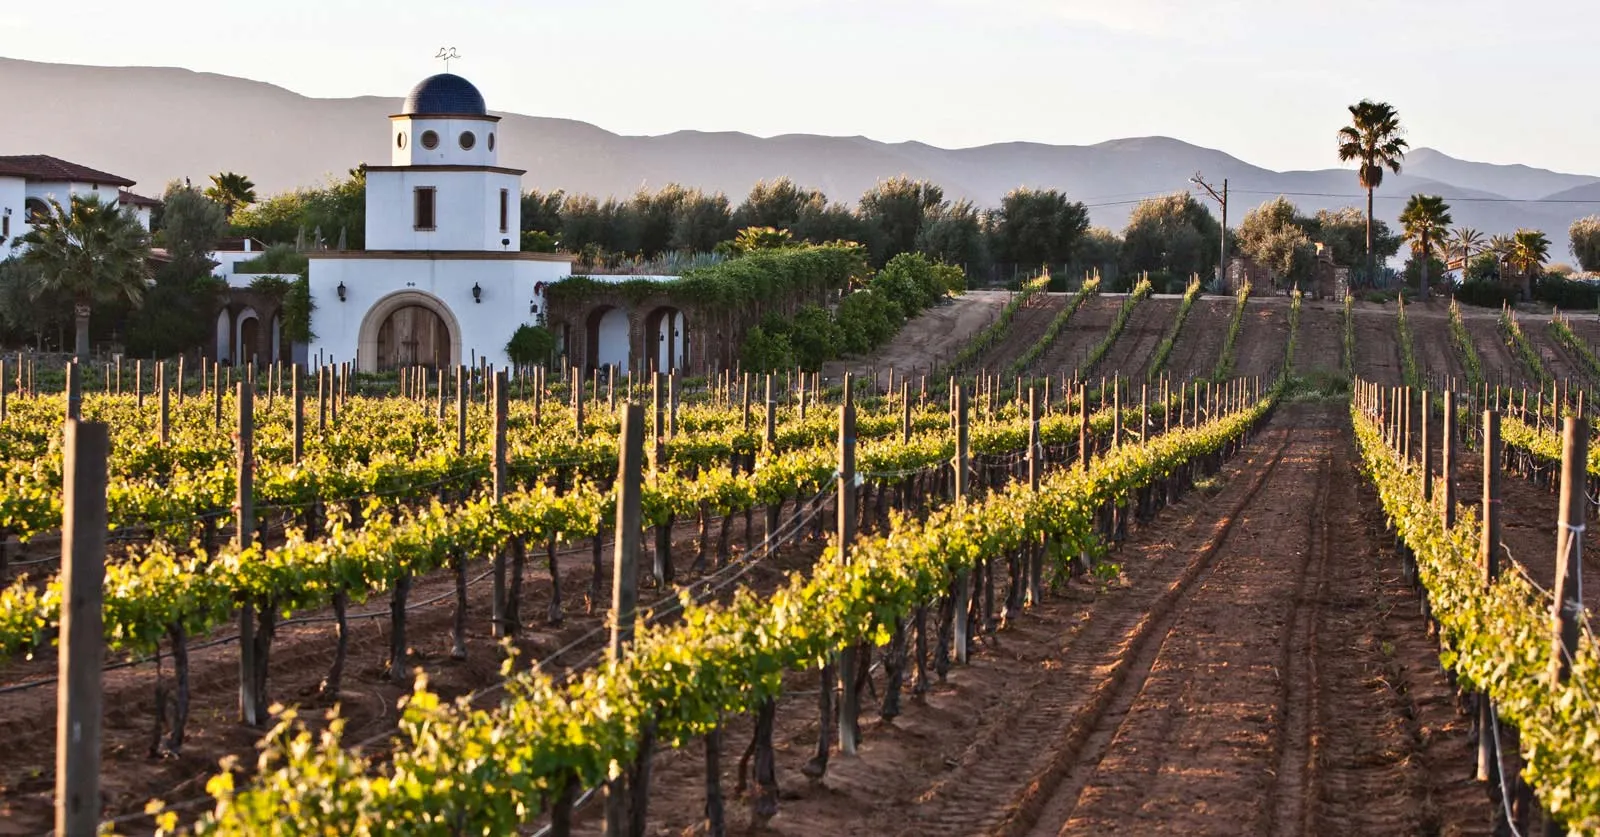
(1222, 199)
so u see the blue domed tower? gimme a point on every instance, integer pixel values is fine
(442, 280)
(444, 188)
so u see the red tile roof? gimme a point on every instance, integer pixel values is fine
(44, 167)
(127, 198)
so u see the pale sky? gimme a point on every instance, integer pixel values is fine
(1265, 80)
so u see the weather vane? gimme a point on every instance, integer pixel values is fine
(448, 54)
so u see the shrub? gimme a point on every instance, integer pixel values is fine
(1486, 294)
(1567, 294)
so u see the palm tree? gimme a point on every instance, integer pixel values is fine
(1425, 219)
(233, 191)
(1529, 250)
(1465, 242)
(1372, 137)
(88, 251)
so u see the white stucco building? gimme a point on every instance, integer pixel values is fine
(443, 280)
(29, 182)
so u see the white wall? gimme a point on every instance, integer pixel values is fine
(13, 192)
(143, 214)
(449, 151)
(466, 211)
(613, 339)
(62, 191)
(508, 288)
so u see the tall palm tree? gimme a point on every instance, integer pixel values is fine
(1529, 251)
(88, 251)
(1425, 219)
(1465, 242)
(1373, 138)
(233, 191)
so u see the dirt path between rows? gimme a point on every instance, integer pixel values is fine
(1434, 347)
(1258, 668)
(1200, 342)
(1263, 339)
(1320, 346)
(1131, 354)
(933, 337)
(1377, 346)
(1025, 329)
(1087, 327)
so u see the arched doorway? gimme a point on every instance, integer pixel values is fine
(413, 336)
(224, 337)
(408, 328)
(664, 338)
(607, 338)
(247, 351)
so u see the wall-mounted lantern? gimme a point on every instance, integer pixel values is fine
(341, 290)
(477, 292)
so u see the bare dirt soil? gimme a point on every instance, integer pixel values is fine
(933, 337)
(1557, 359)
(1026, 328)
(1259, 667)
(1377, 344)
(1087, 327)
(1199, 345)
(1263, 338)
(1499, 364)
(1136, 346)
(1431, 341)
(1320, 346)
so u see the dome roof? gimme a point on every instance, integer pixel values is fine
(445, 94)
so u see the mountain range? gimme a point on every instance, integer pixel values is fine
(155, 124)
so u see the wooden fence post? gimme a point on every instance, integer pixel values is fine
(1489, 562)
(74, 392)
(463, 396)
(85, 449)
(499, 628)
(1035, 554)
(252, 704)
(850, 700)
(299, 423)
(963, 591)
(1447, 439)
(165, 422)
(625, 581)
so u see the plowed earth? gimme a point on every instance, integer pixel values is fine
(1259, 667)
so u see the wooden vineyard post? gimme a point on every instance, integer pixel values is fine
(1489, 563)
(165, 421)
(252, 703)
(624, 588)
(2, 389)
(850, 700)
(74, 393)
(1405, 427)
(180, 379)
(463, 396)
(322, 400)
(769, 440)
(658, 423)
(905, 411)
(1035, 552)
(499, 627)
(1447, 441)
(299, 423)
(963, 583)
(216, 395)
(1567, 607)
(1427, 455)
(577, 401)
(1083, 428)
(85, 449)
(138, 381)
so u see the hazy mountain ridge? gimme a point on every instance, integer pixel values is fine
(158, 124)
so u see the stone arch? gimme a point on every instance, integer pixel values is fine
(665, 338)
(246, 336)
(606, 331)
(372, 323)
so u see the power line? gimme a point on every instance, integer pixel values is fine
(1408, 197)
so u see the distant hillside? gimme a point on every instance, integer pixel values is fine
(158, 124)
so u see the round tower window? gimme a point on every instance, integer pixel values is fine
(400, 140)
(468, 140)
(491, 141)
(430, 140)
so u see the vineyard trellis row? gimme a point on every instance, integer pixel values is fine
(460, 769)
(1494, 630)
